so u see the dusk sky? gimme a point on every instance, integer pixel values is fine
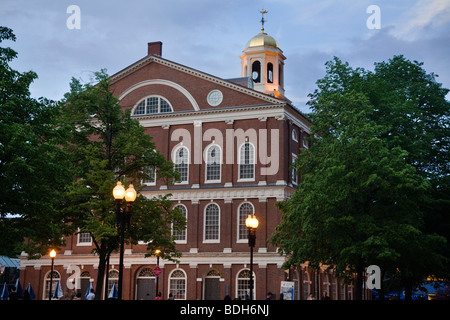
(210, 35)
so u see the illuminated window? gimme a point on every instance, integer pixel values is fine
(56, 277)
(177, 284)
(270, 72)
(256, 71)
(243, 284)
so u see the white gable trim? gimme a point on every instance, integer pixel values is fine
(151, 58)
(165, 83)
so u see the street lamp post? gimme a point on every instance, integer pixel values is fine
(123, 218)
(52, 256)
(252, 223)
(157, 253)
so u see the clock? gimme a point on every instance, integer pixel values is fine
(215, 98)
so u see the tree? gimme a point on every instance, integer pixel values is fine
(360, 199)
(107, 145)
(34, 170)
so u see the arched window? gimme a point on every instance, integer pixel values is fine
(180, 236)
(113, 278)
(306, 285)
(244, 210)
(152, 105)
(212, 223)
(256, 71)
(213, 163)
(182, 163)
(243, 284)
(247, 161)
(269, 72)
(177, 284)
(55, 279)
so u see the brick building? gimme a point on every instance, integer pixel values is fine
(233, 142)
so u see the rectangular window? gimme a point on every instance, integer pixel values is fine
(151, 179)
(182, 169)
(84, 239)
(152, 105)
(294, 174)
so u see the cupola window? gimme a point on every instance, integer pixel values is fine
(256, 71)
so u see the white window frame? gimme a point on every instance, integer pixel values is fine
(53, 284)
(170, 283)
(237, 283)
(154, 180)
(238, 233)
(241, 148)
(83, 244)
(294, 171)
(183, 241)
(174, 159)
(204, 225)
(206, 156)
(294, 135)
(133, 110)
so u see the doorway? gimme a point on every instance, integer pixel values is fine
(212, 286)
(145, 285)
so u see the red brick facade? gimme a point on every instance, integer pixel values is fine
(208, 269)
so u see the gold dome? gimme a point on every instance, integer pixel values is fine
(262, 39)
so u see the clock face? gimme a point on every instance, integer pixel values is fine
(215, 98)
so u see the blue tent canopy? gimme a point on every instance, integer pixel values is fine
(31, 292)
(113, 293)
(4, 294)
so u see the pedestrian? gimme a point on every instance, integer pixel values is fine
(269, 296)
(170, 296)
(158, 297)
(311, 297)
(91, 295)
(13, 294)
(325, 296)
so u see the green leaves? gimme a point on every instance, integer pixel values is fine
(107, 145)
(34, 170)
(375, 152)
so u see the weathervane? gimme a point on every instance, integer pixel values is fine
(263, 12)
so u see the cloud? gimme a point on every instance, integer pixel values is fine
(423, 15)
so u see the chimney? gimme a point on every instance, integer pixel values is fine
(155, 48)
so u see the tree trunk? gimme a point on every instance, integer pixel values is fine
(408, 291)
(100, 273)
(359, 280)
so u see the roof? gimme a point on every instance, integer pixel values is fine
(9, 263)
(226, 83)
(262, 39)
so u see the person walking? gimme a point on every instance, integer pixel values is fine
(91, 295)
